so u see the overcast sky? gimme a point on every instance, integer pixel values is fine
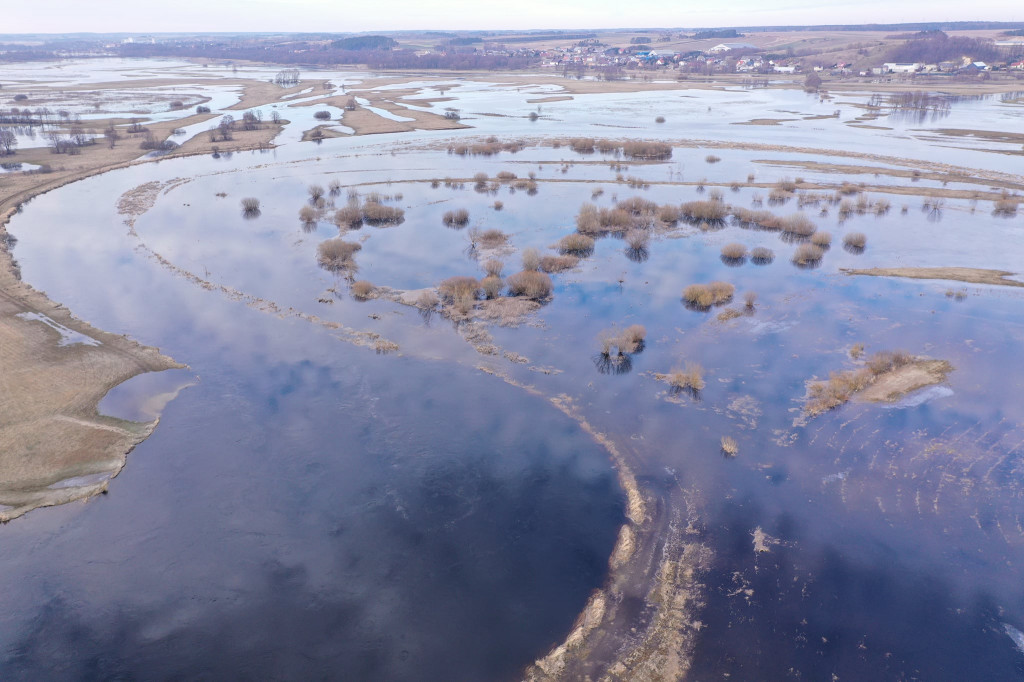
(60, 16)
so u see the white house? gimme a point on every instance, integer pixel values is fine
(728, 47)
(893, 67)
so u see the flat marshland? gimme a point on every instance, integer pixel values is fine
(679, 410)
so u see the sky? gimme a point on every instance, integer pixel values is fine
(141, 16)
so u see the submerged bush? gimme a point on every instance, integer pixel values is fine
(558, 263)
(531, 259)
(709, 211)
(350, 216)
(307, 214)
(362, 289)
(644, 149)
(797, 225)
(808, 254)
(822, 239)
(491, 286)
(703, 296)
(316, 192)
(734, 251)
(379, 214)
(336, 254)
(690, 378)
(855, 240)
(762, 255)
(530, 284)
(576, 245)
(456, 218)
(251, 207)
(493, 267)
(729, 446)
(459, 289)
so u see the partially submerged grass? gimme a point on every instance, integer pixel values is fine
(841, 386)
(646, 149)
(761, 255)
(711, 158)
(456, 218)
(734, 251)
(637, 239)
(576, 245)
(336, 254)
(708, 211)
(703, 296)
(595, 222)
(491, 286)
(822, 239)
(362, 289)
(489, 239)
(493, 267)
(308, 215)
(808, 255)
(730, 448)
(379, 214)
(530, 284)
(558, 263)
(855, 241)
(797, 225)
(690, 378)
(531, 259)
(348, 217)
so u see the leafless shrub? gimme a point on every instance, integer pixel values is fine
(552, 264)
(362, 289)
(379, 214)
(786, 185)
(336, 254)
(493, 267)
(531, 259)
(797, 225)
(459, 288)
(822, 239)
(855, 240)
(491, 238)
(711, 158)
(498, 205)
(582, 145)
(690, 378)
(703, 296)
(659, 119)
(840, 386)
(761, 255)
(307, 214)
(669, 214)
(491, 286)
(250, 207)
(427, 300)
(637, 240)
(734, 251)
(808, 255)
(350, 216)
(749, 300)
(644, 149)
(530, 284)
(778, 196)
(638, 206)
(316, 192)
(1006, 207)
(576, 245)
(711, 212)
(334, 187)
(730, 448)
(456, 218)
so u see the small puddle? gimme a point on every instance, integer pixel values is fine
(68, 337)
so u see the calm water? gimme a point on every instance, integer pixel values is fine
(309, 506)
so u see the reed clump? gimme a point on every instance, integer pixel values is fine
(730, 448)
(703, 296)
(808, 254)
(840, 387)
(761, 255)
(362, 289)
(308, 215)
(456, 218)
(822, 239)
(797, 225)
(643, 149)
(336, 254)
(855, 240)
(530, 284)
(734, 251)
(708, 211)
(689, 378)
(491, 286)
(348, 217)
(553, 264)
(379, 214)
(576, 245)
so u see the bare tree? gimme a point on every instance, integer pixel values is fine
(7, 142)
(111, 135)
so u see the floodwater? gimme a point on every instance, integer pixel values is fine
(308, 507)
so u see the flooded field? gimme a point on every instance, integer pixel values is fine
(367, 470)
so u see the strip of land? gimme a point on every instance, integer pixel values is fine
(971, 275)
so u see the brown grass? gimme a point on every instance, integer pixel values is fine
(841, 386)
(459, 289)
(307, 214)
(379, 214)
(498, 205)
(729, 446)
(592, 221)
(797, 225)
(625, 342)
(637, 240)
(362, 289)
(669, 213)
(493, 267)
(822, 239)
(348, 216)
(456, 218)
(762, 255)
(316, 192)
(1006, 207)
(808, 254)
(576, 245)
(855, 240)
(491, 286)
(530, 284)
(642, 149)
(553, 264)
(531, 259)
(336, 254)
(491, 238)
(709, 211)
(251, 206)
(734, 251)
(505, 176)
(711, 158)
(690, 378)
(703, 296)
(750, 300)
(638, 206)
